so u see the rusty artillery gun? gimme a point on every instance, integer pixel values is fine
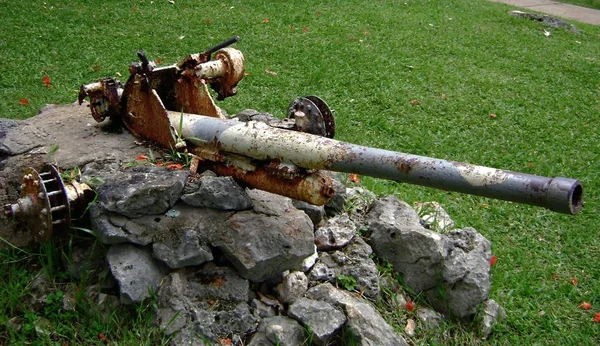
(172, 107)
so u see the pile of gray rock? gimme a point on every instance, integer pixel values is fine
(228, 262)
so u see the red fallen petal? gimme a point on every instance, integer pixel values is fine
(159, 164)
(175, 166)
(24, 101)
(46, 81)
(158, 60)
(410, 306)
(355, 178)
(574, 281)
(597, 317)
(493, 260)
(585, 306)
(142, 157)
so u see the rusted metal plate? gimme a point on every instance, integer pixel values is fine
(145, 115)
(192, 96)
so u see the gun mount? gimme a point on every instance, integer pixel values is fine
(172, 107)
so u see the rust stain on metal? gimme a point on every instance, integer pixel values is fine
(192, 95)
(315, 188)
(406, 165)
(145, 115)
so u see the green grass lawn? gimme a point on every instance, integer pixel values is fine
(585, 3)
(460, 60)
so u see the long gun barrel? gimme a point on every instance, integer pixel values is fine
(172, 107)
(262, 142)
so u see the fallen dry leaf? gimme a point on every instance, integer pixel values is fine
(158, 60)
(492, 116)
(208, 21)
(304, 29)
(266, 20)
(355, 178)
(574, 281)
(272, 73)
(585, 306)
(493, 260)
(96, 67)
(410, 327)
(318, 13)
(175, 166)
(415, 102)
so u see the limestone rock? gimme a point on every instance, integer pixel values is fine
(262, 246)
(135, 270)
(434, 216)
(269, 203)
(145, 190)
(113, 228)
(354, 261)
(491, 313)
(294, 285)
(316, 213)
(210, 300)
(466, 274)
(363, 320)
(187, 249)
(397, 236)
(278, 330)
(217, 193)
(321, 318)
(430, 319)
(336, 233)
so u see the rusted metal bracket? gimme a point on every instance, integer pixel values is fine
(47, 202)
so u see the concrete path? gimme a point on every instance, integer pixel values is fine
(567, 11)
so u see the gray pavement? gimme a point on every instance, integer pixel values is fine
(554, 8)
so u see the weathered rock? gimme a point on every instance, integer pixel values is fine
(278, 330)
(363, 321)
(217, 193)
(185, 298)
(354, 261)
(316, 213)
(336, 233)
(309, 261)
(145, 190)
(336, 204)
(262, 310)
(262, 246)
(294, 285)
(223, 321)
(430, 319)
(434, 217)
(112, 228)
(397, 236)
(187, 249)
(321, 318)
(466, 274)
(135, 270)
(491, 313)
(56, 134)
(358, 202)
(269, 203)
